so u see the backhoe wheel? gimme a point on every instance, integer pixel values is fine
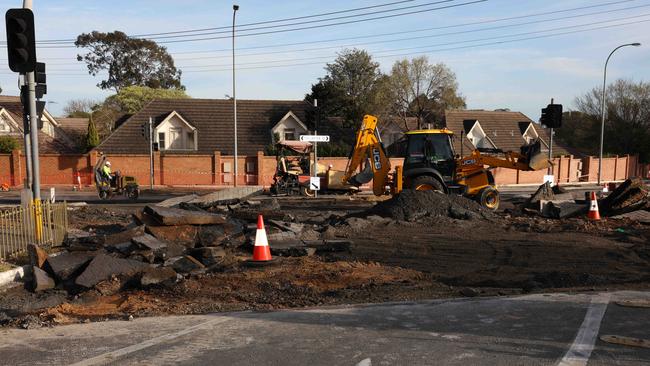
(306, 191)
(488, 197)
(103, 195)
(426, 183)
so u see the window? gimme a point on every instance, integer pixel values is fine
(190, 140)
(478, 138)
(290, 134)
(176, 138)
(161, 141)
(4, 127)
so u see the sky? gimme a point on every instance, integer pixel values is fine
(518, 63)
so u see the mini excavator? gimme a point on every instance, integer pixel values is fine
(430, 164)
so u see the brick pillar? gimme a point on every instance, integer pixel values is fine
(93, 156)
(158, 179)
(16, 172)
(260, 168)
(216, 168)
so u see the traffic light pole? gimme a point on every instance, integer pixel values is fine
(28, 153)
(550, 149)
(33, 124)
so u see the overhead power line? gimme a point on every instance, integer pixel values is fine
(304, 28)
(438, 35)
(527, 34)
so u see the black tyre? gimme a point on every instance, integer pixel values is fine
(426, 183)
(306, 191)
(103, 195)
(488, 197)
(133, 193)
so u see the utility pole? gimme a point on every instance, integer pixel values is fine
(234, 94)
(316, 145)
(151, 154)
(550, 149)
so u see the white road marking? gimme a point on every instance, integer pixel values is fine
(583, 345)
(111, 356)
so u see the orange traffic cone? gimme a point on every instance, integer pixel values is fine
(261, 252)
(593, 208)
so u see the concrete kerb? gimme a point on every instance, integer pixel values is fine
(14, 276)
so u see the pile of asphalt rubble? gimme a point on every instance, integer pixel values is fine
(165, 245)
(411, 205)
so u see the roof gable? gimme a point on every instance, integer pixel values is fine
(177, 115)
(287, 116)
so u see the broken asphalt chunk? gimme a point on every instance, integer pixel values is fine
(65, 265)
(175, 216)
(158, 276)
(41, 280)
(103, 266)
(184, 264)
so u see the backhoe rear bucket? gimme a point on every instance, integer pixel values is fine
(362, 178)
(535, 159)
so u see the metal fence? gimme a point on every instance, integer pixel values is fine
(44, 224)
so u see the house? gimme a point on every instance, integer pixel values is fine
(75, 128)
(52, 138)
(202, 126)
(500, 129)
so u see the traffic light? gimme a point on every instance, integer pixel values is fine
(40, 105)
(145, 130)
(40, 79)
(552, 116)
(21, 43)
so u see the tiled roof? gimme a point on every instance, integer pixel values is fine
(75, 128)
(213, 119)
(47, 144)
(503, 128)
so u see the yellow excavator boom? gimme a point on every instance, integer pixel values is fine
(368, 149)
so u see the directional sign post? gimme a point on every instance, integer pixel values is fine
(314, 183)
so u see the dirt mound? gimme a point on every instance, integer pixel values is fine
(411, 205)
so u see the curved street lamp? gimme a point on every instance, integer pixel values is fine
(602, 107)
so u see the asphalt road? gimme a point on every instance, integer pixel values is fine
(550, 329)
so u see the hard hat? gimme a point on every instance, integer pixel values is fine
(108, 163)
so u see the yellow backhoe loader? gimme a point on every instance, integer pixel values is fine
(430, 164)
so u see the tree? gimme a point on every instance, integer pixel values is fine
(353, 86)
(128, 61)
(80, 108)
(128, 101)
(8, 144)
(92, 137)
(423, 90)
(627, 122)
(131, 99)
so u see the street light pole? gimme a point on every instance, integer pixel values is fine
(234, 95)
(602, 109)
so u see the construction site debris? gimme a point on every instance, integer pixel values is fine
(208, 255)
(184, 264)
(562, 209)
(158, 276)
(37, 256)
(630, 196)
(288, 226)
(225, 196)
(176, 216)
(41, 280)
(412, 205)
(171, 202)
(104, 266)
(639, 216)
(185, 235)
(67, 264)
(149, 242)
(122, 236)
(543, 192)
(329, 245)
(292, 249)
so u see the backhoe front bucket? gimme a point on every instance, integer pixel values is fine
(362, 178)
(535, 159)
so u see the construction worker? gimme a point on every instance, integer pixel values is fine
(106, 171)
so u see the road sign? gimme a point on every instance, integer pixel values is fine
(314, 183)
(315, 138)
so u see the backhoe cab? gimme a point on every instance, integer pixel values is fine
(431, 164)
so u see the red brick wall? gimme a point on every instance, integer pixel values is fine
(182, 170)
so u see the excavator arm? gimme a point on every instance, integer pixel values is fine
(369, 150)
